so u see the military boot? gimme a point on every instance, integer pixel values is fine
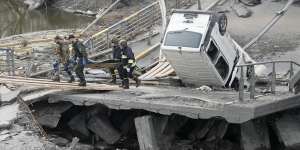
(126, 84)
(122, 84)
(72, 79)
(82, 83)
(56, 78)
(113, 80)
(137, 81)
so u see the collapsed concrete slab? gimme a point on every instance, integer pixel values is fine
(288, 131)
(186, 102)
(255, 135)
(48, 115)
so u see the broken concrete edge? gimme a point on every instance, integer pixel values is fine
(268, 107)
(237, 112)
(228, 114)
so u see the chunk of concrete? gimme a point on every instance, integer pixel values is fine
(202, 128)
(8, 114)
(218, 130)
(147, 134)
(241, 11)
(50, 114)
(288, 131)
(174, 123)
(7, 96)
(102, 127)
(255, 135)
(78, 125)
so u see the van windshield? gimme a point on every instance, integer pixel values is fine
(183, 39)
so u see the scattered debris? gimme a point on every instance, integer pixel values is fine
(241, 10)
(8, 114)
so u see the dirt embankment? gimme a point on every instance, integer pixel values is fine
(282, 41)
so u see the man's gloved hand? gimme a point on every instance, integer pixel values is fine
(128, 69)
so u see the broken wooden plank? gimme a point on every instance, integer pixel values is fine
(55, 85)
(288, 131)
(255, 135)
(102, 127)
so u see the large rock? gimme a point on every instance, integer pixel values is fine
(241, 11)
(8, 114)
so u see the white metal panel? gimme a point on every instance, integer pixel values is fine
(194, 68)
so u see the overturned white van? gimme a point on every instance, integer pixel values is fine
(199, 49)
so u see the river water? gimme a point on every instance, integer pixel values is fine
(16, 19)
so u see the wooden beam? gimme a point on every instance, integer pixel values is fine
(55, 85)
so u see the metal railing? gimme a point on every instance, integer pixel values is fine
(139, 22)
(252, 77)
(7, 61)
(127, 28)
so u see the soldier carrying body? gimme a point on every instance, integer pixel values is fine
(80, 57)
(63, 54)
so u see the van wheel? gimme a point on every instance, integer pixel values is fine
(222, 21)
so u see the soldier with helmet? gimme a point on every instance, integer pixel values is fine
(80, 57)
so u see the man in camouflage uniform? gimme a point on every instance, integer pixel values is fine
(63, 57)
(128, 64)
(80, 57)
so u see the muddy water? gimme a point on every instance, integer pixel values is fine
(16, 19)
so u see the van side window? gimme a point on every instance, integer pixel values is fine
(222, 67)
(212, 51)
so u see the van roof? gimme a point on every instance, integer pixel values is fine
(196, 22)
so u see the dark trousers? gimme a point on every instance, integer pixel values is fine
(66, 68)
(79, 68)
(113, 73)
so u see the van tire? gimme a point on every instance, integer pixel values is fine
(222, 22)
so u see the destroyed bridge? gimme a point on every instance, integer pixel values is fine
(159, 112)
